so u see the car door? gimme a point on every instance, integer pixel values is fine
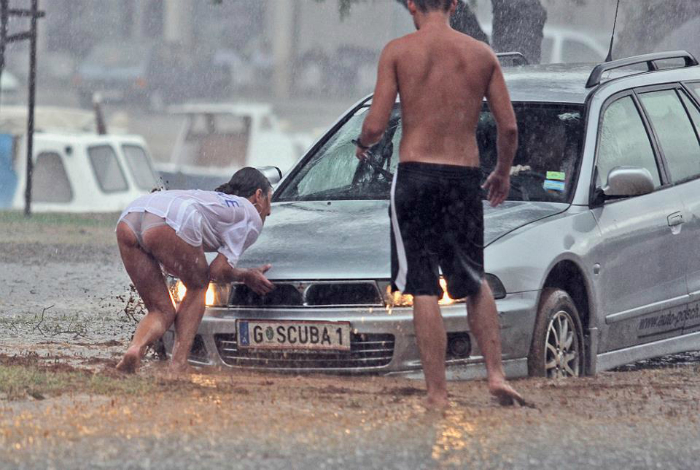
(641, 262)
(675, 116)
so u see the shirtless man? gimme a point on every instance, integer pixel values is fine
(442, 77)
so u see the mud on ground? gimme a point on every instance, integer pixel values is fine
(63, 296)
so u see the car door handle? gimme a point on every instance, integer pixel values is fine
(675, 219)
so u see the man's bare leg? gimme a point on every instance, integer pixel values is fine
(483, 322)
(432, 343)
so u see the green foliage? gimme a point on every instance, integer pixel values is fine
(19, 381)
(84, 220)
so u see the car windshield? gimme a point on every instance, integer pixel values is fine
(544, 168)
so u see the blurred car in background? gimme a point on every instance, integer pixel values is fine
(152, 74)
(561, 45)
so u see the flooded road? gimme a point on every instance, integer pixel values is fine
(66, 315)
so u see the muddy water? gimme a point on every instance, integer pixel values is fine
(63, 294)
(63, 291)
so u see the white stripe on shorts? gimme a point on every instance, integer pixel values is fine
(400, 280)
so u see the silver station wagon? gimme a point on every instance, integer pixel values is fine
(594, 258)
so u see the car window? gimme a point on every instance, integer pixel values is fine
(575, 51)
(50, 181)
(693, 111)
(107, 170)
(545, 165)
(695, 87)
(624, 141)
(674, 132)
(140, 166)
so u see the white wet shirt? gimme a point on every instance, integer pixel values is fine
(216, 221)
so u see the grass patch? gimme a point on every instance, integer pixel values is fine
(80, 220)
(18, 382)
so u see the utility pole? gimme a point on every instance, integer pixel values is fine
(34, 14)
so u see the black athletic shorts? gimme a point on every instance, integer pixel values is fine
(437, 223)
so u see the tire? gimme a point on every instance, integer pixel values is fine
(551, 356)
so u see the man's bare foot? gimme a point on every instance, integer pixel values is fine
(130, 362)
(436, 403)
(506, 395)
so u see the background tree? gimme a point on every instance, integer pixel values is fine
(647, 22)
(517, 24)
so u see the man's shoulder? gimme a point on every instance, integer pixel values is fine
(477, 47)
(399, 43)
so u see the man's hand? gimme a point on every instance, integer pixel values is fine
(497, 186)
(360, 153)
(256, 280)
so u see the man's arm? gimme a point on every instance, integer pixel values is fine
(382, 102)
(221, 271)
(498, 183)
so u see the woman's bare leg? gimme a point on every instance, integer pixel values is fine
(147, 277)
(188, 264)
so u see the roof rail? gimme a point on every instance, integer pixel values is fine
(516, 58)
(648, 59)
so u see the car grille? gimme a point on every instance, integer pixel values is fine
(198, 352)
(366, 351)
(310, 294)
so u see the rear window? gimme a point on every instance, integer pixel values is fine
(107, 170)
(695, 87)
(140, 166)
(216, 140)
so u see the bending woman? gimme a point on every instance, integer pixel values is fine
(173, 229)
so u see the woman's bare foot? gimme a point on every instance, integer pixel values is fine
(177, 369)
(506, 395)
(131, 361)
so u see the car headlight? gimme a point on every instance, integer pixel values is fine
(397, 299)
(218, 295)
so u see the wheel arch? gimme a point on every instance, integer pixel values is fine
(567, 274)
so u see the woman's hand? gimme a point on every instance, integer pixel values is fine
(256, 280)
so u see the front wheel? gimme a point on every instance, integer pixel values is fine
(557, 342)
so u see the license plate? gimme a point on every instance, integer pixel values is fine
(292, 335)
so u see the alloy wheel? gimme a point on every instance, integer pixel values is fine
(562, 347)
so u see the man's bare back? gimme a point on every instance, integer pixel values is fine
(442, 78)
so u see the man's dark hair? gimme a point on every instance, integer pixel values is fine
(432, 5)
(245, 182)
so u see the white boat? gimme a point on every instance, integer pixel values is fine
(75, 169)
(216, 140)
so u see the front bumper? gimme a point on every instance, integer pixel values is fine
(217, 331)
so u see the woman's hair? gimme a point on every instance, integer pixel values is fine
(245, 182)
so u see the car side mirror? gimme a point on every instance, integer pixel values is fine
(272, 173)
(625, 181)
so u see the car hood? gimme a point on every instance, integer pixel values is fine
(350, 239)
